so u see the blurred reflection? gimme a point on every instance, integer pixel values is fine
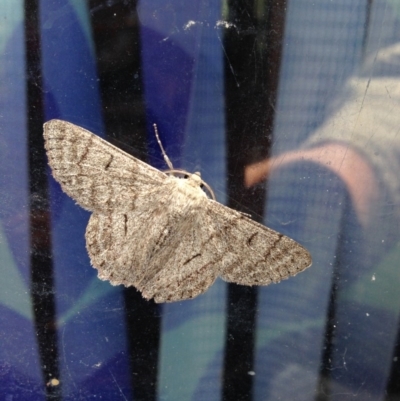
(359, 142)
(339, 195)
(349, 164)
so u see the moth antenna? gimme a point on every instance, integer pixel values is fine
(166, 158)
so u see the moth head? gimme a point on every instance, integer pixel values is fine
(195, 179)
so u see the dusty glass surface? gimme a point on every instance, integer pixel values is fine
(290, 110)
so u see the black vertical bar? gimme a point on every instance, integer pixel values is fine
(393, 384)
(117, 39)
(143, 325)
(366, 26)
(324, 391)
(42, 290)
(253, 50)
(239, 348)
(116, 33)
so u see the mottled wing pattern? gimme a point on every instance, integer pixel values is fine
(160, 233)
(252, 254)
(186, 264)
(178, 256)
(166, 255)
(99, 176)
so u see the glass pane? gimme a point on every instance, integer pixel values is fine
(289, 110)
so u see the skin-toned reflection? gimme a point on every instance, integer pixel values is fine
(338, 191)
(358, 141)
(342, 160)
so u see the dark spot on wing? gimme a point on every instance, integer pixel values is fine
(109, 163)
(190, 259)
(251, 238)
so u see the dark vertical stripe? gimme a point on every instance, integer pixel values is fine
(42, 290)
(116, 32)
(253, 50)
(366, 26)
(393, 385)
(323, 392)
(239, 348)
(143, 323)
(117, 39)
